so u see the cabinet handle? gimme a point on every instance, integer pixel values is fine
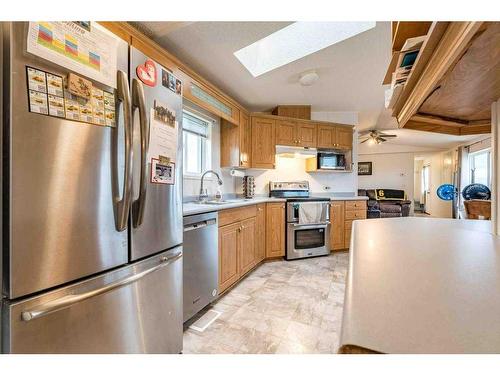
(260, 208)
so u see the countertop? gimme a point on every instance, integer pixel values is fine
(191, 208)
(423, 285)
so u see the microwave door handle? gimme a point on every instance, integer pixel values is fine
(139, 103)
(122, 204)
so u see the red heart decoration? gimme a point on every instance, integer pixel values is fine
(147, 73)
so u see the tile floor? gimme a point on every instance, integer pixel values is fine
(281, 307)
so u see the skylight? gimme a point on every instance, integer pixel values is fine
(294, 42)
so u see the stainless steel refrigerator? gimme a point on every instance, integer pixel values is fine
(91, 247)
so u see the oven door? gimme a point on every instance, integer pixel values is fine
(307, 240)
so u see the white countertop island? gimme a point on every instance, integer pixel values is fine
(422, 285)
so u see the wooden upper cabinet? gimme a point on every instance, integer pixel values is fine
(337, 232)
(247, 254)
(263, 143)
(343, 136)
(275, 230)
(236, 143)
(228, 255)
(245, 141)
(326, 136)
(286, 133)
(332, 136)
(260, 234)
(306, 135)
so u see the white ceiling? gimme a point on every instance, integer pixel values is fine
(351, 72)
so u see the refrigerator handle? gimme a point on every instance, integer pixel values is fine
(122, 206)
(67, 301)
(139, 102)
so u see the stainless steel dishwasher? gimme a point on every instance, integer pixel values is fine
(201, 262)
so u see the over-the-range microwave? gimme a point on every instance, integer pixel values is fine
(332, 160)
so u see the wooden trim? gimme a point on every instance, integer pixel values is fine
(447, 52)
(475, 129)
(297, 120)
(436, 120)
(134, 37)
(435, 128)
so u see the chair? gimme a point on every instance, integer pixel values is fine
(379, 208)
(476, 208)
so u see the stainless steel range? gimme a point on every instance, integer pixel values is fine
(307, 220)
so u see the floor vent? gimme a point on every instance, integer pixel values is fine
(204, 322)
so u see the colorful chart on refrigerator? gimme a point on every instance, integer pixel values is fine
(91, 53)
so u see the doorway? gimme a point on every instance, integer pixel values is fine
(426, 188)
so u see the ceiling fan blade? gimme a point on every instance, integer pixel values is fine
(366, 140)
(381, 139)
(365, 132)
(388, 135)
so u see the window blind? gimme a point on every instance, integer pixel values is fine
(195, 125)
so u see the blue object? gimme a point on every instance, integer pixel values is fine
(476, 191)
(446, 192)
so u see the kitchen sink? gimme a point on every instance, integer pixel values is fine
(218, 202)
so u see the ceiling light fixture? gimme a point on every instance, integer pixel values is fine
(294, 42)
(308, 78)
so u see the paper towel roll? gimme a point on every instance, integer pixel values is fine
(236, 173)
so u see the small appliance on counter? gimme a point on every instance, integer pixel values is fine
(248, 187)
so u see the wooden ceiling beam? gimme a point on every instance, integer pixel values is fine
(451, 46)
(437, 120)
(476, 129)
(434, 128)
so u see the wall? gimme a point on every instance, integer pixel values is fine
(417, 181)
(390, 171)
(292, 169)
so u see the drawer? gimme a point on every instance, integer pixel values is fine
(357, 214)
(233, 215)
(355, 205)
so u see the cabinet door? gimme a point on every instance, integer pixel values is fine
(286, 133)
(306, 135)
(337, 231)
(260, 233)
(245, 141)
(247, 246)
(275, 230)
(326, 136)
(263, 143)
(344, 137)
(228, 255)
(229, 144)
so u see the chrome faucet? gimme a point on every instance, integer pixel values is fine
(203, 192)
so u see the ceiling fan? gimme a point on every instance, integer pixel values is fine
(375, 136)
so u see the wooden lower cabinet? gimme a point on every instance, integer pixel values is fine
(260, 241)
(229, 243)
(242, 242)
(342, 214)
(337, 229)
(275, 230)
(247, 248)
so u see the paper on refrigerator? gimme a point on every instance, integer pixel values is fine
(163, 131)
(90, 51)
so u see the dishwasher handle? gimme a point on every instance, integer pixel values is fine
(199, 225)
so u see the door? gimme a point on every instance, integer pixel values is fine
(306, 135)
(228, 255)
(63, 179)
(263, 143)
(337, 227)
(260, 235)
(286, 133)
(247, 253)
(426, 190)
(161, 224)
(275, 230)
(326, 136)
(135, 309)
(245, 140)
(344, 137)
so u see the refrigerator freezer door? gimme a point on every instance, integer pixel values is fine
(61, 186)
(161, 226)
(135, 309)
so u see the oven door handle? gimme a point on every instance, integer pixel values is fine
(315, 225)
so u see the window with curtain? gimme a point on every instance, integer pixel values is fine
(196, 144)
(480, 167)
